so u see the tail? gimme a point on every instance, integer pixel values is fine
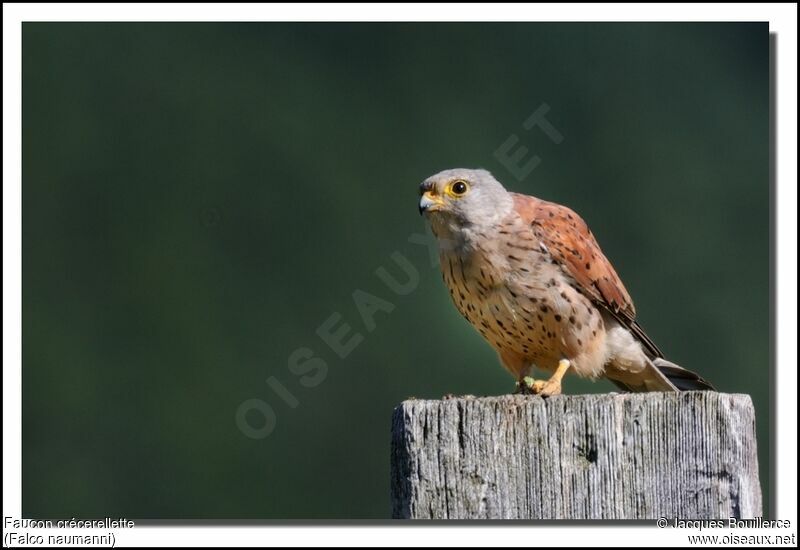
(680, 378)
(660, 374)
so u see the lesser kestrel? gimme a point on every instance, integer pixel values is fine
(530, 277)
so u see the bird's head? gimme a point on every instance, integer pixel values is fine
(461, 198)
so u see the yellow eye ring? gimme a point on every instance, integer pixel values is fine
(457, 188)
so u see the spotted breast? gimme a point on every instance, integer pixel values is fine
(507, 284)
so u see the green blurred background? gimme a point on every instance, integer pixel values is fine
(199, 198)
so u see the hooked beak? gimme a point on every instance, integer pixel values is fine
(429, 203)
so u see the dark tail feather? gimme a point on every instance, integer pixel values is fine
(684, 380)
(660, 375)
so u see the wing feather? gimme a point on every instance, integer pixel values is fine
(571, 244)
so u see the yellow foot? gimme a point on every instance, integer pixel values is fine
(529, 385)
(548, 388)
(544, 388)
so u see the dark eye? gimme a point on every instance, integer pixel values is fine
(459, 188)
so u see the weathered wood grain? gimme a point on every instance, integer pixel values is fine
(611, 456)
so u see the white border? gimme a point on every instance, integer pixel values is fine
(783, 21)
(400, 12)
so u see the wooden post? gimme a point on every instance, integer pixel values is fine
(613, 456)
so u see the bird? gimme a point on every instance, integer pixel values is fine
(530, 277)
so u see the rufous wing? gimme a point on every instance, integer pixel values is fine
(571, 244)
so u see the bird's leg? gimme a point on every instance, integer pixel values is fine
(553, 385)
(548, 387)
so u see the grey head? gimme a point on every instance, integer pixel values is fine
(463, 199)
